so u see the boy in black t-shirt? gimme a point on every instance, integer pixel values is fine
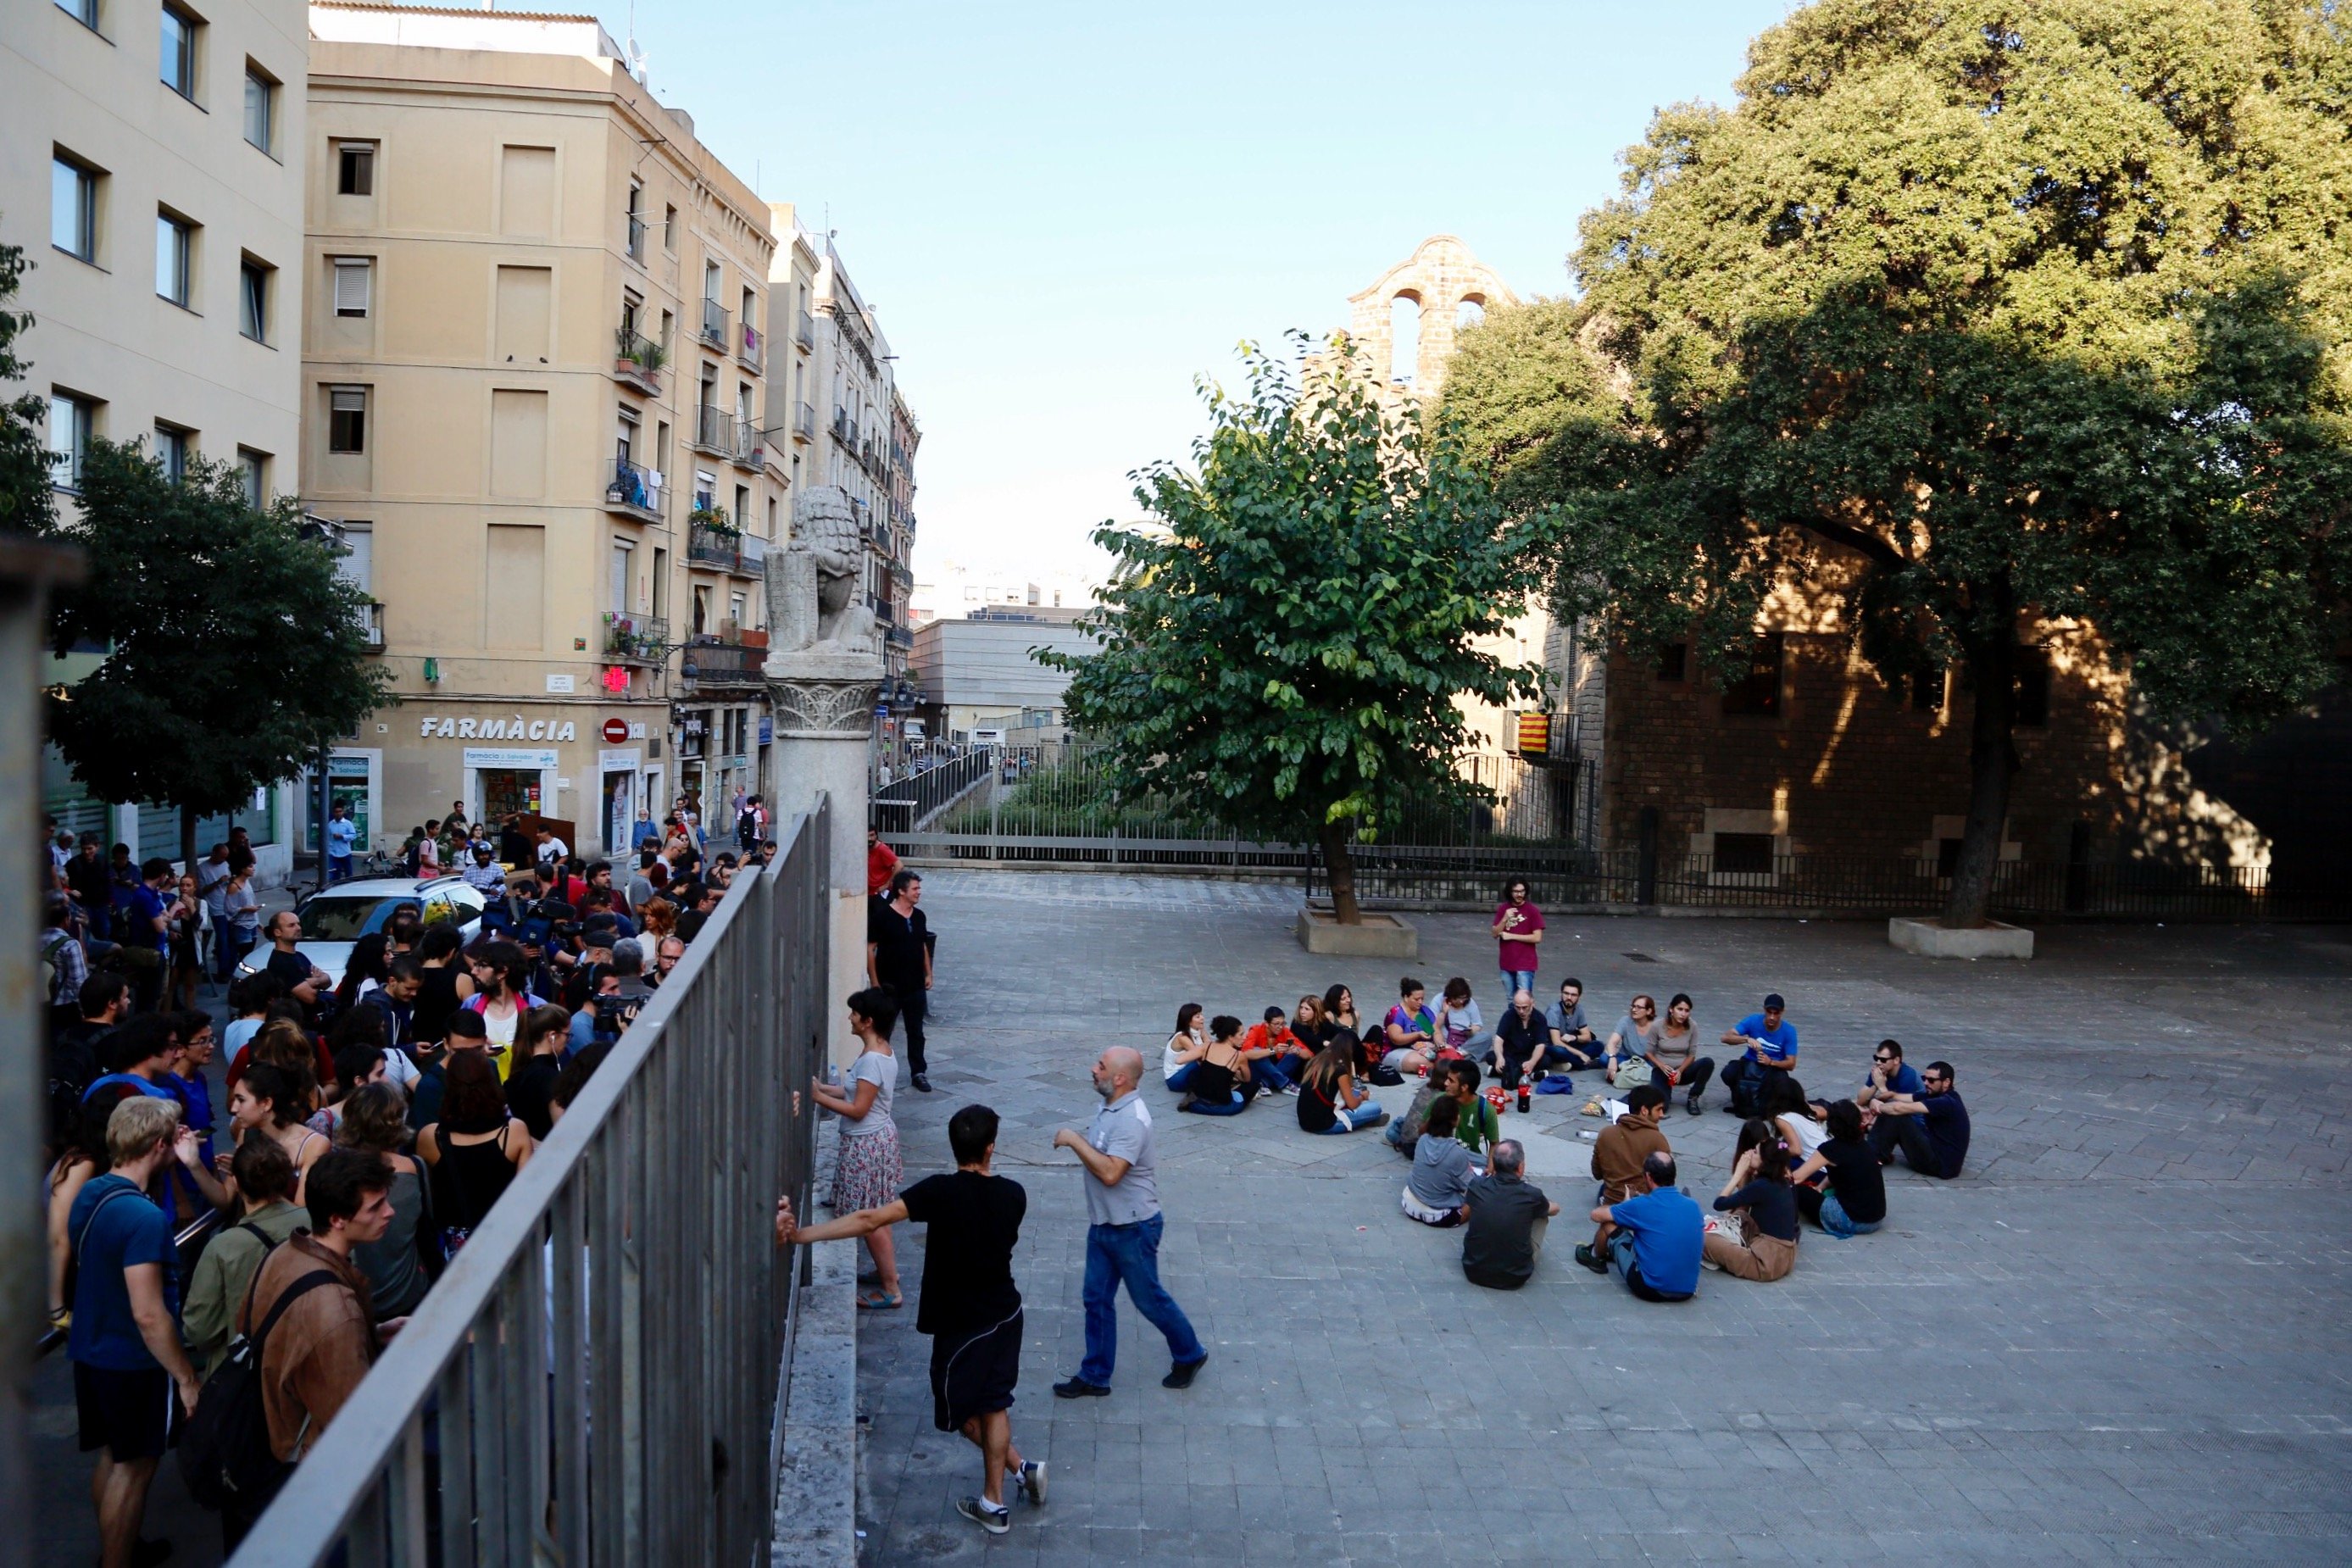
(970, 1305)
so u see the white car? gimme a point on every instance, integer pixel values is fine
(334, 919)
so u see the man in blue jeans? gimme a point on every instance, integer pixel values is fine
(1660, 1234)
(1123, 1231)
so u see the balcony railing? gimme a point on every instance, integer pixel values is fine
(638, 360)
(844, 429)
(752, 347)
(714, 324)
(726, 664)
(709, 546)
(900, 636)
(804, 422)
(804, 332)
(634, 639)
(634, 489)
(714, 430)
(752, 555)
(371, 626)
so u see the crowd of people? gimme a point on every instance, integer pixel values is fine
(271, 1198)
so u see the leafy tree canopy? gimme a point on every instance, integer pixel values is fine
(2033, 305)
(1284, 642)
(24, 463)
(237, 650)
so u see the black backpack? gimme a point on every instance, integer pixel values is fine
(225, 1454)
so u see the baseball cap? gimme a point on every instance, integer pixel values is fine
(1772, 1004)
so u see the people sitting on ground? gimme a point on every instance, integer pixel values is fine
(1307, 1023)
(1803, 1123)
(1890, 1078)
(1675, 1061)
(1329, 1098)
(1185, 1046)
(1276, 1055)
(1569, 1031)
(1523, 1046)
(1221, 1083)
(1655, 1243)
(1770, 1043)
(1931, 1127)
(1405, 1129)
(1460, 1028)
(1634, 1036)
(1841, 1188)
(1437, 1193)
(1507, 1220)
(1763, 1247)
(1618, 1154)
(1410, 1029)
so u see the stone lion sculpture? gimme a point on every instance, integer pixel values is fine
(812, 592)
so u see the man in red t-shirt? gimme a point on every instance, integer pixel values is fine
(1276, 1057)
(881, 864)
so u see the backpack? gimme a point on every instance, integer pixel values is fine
(747, 827)
(51, 974)
(224, 1452)
(73, 1256)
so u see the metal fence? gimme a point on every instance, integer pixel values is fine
(595, 1379)
(899, 806)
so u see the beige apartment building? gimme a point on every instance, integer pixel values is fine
(538, 340)
(151, 169)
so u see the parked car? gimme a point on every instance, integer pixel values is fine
(334, 919)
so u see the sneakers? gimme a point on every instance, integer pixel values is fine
(996, 1520)
(1592, 1259)
(1182, 1374)
(1692, 1106)
(1079, 1388)
(1291, 1090)
(1031, 1477)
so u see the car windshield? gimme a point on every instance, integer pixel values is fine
(345, 918)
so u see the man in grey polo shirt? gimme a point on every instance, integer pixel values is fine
(1123, 1231)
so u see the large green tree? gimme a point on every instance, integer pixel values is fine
(1284, 639)
(2012, 306)
(236, 650)
(24, 463)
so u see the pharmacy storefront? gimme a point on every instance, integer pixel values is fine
(585, 765)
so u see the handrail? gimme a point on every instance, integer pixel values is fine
(595, 1365)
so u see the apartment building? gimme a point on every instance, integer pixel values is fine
(534, 394)
(151, 171)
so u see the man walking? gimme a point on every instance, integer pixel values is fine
(899, 960)
(342, 833)
(969, 1306)
(1124, 1225)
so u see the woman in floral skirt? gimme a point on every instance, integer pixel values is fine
(867, 1173)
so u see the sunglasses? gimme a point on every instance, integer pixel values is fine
(1884, 1058)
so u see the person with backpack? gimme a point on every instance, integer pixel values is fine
(265, 1188)
(133, 1379)
(64, 964)
(311, 1321)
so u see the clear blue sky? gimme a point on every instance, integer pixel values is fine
(1064, 213)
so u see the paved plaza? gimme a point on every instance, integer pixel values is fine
(2121, 1336)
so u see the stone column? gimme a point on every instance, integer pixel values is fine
(823, 704)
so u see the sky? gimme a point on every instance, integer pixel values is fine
(1063, 214)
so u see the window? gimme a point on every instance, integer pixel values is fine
(174, 252)
(620, 584)
(1743, 853)
(72, 421)
(1758, 692)
(82, 11)
(178, 64)
(353, 276)
(172, 446)
(355, 168)
(260, 107)
(2032, 712)
(1927, 689)
(356, 564)
(1673, 661)
(253, 471)
(253, 298)
(710, 283)
(661, 583)
(637, 225)
(347, 418)
(628, 438)
(73, 209)
(669, 228)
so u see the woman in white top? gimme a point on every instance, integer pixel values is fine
(867, 1173)
(1805, 1126)
(1185, 1046)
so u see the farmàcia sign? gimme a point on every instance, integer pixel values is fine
(515, 728)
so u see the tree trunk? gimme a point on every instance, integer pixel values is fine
(1341, 865)
(1992, 764)
(187, 840)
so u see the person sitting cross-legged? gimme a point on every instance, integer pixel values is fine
(1932, 1129)
(1186, 1046)
(1409, 1030)
(1617, 1158)
(1438, 1191)
(1276, 1054)
(1523, 1044)
(1840, 1188)
(1329, 1099)
(1759, 1189)
(1509, 1215)
(1221, 1084)
(1657, 1244)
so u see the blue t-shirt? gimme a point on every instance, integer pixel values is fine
(1905, 1080)
(1779, 1044)
(129, 1231)
(1667, 1229)
(143, 906)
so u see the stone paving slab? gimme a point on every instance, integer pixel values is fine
(2121, 1337)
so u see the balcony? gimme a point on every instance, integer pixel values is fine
(803, 423)
(709, 543)
(714, 431)
(714, 324)
(804, 332)
(633, 491)
(635, 640)
(638, 360)
(900, 637)
(845, 430)
(371, 619)
(752, 557)
(752, 347)
(726, 665)
(902, 573)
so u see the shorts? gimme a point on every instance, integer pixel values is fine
(974, 1373)
(131, 1414)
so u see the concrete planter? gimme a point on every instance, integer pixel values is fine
(1929, 939)
(1381, 936)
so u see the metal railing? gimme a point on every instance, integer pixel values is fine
(714, 430)
(596, 1377)
(751, 347)
(637, 639)
(633, 488)
(804, 422)
(727, 664)
(899, 806)
(804, 331)
(714, 317)
(712, 547)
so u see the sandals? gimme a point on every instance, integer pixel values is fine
(878, 1301)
